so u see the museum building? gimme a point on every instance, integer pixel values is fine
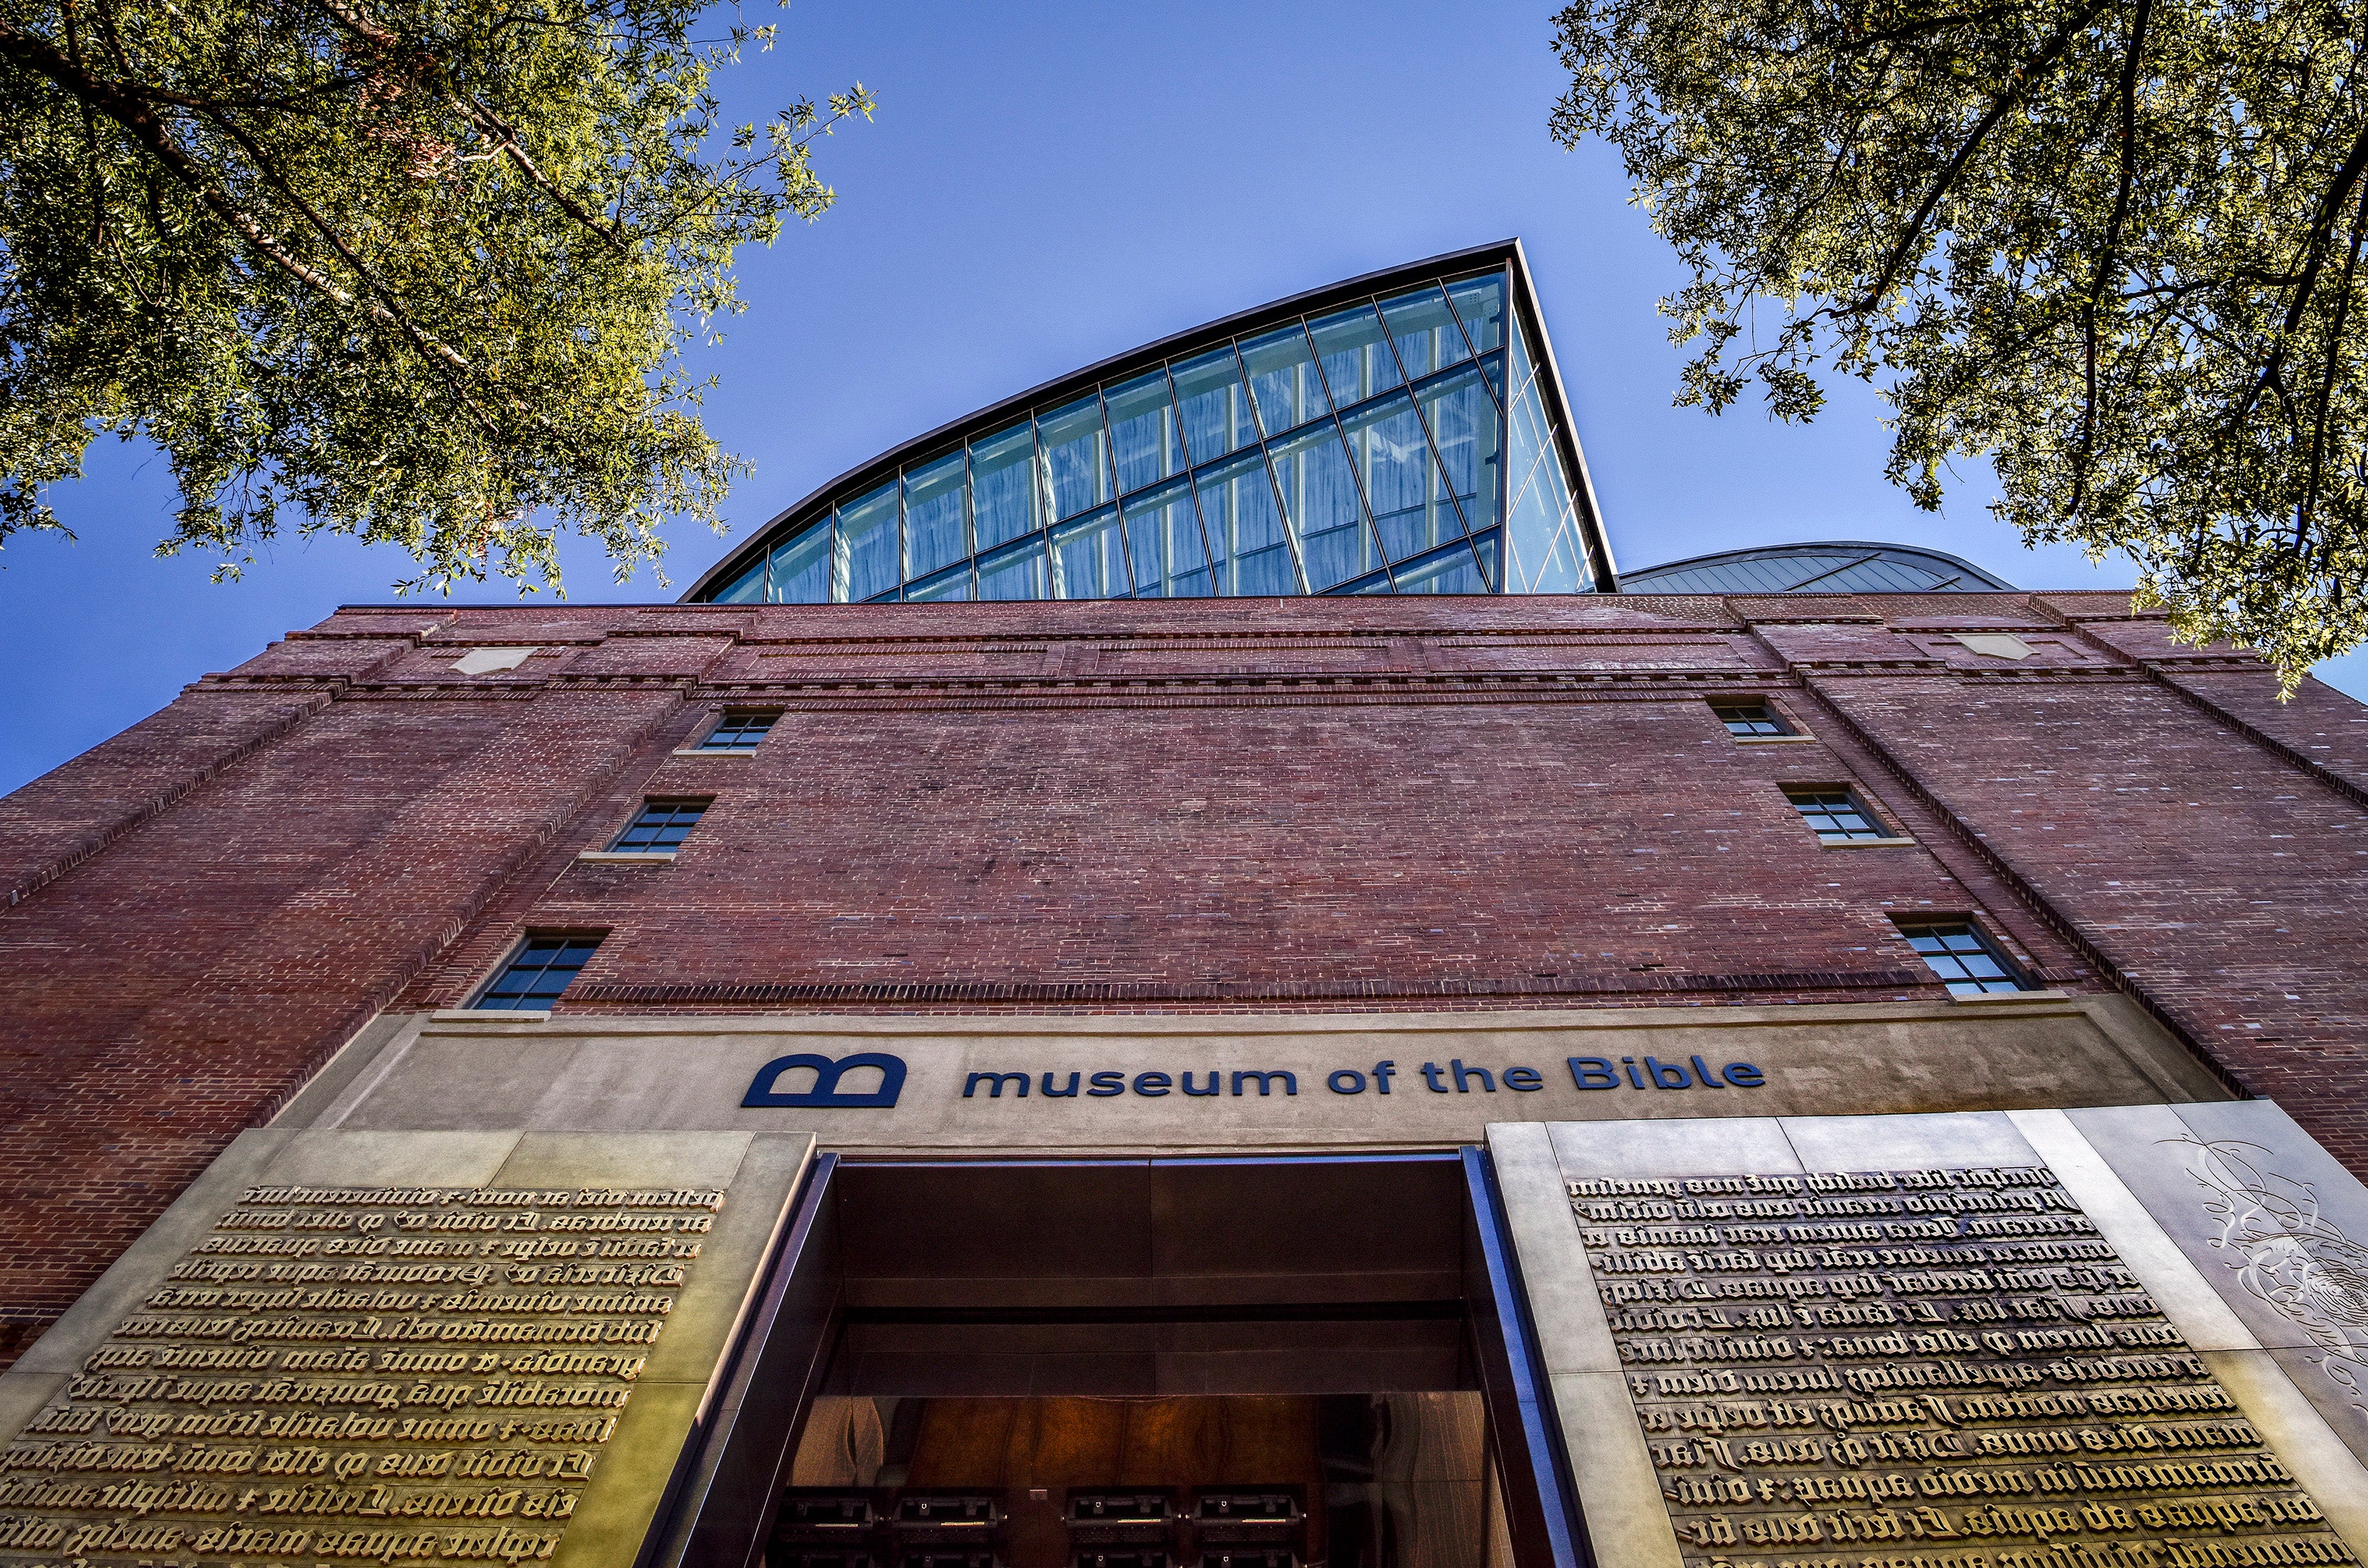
(1185, 971)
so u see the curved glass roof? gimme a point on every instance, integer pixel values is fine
(1402, 432)
(1828, 566)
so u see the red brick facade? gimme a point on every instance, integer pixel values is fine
(1300, 805)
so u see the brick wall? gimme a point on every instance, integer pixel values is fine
(1263, 806)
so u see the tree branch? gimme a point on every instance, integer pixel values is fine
(504, 138)
(2023, 77)
(389, 307)
(36, 54)
(2322, 228)
(288, 104)
(2129, 94)
(2327, 382)
(1932, 24)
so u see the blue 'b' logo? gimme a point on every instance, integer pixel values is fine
(825, 1094)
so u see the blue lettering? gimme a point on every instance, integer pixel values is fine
(1593, 1072)
(765, 1089)
(1106, 1085)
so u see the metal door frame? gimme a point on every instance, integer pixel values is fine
(719, 1500)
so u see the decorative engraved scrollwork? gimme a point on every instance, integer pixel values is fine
(2287, 1254)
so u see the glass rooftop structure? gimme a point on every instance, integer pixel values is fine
(1403, 432)
(1827, 567)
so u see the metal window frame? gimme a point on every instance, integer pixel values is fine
(1852, 798)
(1995, 950)
(1505, 257)
(1783, 721)
(670, 803)
(1976, 579)
(724, 716)
(1291, 528)
(905, 576)
(1409, 387)
(516, 950)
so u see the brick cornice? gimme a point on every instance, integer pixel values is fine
(760, 994)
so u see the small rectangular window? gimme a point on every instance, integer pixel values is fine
(1967, 961)
(537, 973)
(1834, 813)
(1750, 716)
(661, 826)
(739, 731)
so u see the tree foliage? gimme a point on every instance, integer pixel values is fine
(2115, 245)
(421, 271)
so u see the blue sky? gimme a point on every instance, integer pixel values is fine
(1046, 185)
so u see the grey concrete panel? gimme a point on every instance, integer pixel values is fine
(2176, 1072)
(693, 1082)
(372, 1047)
(1566, 1314)
(2343, 1408)
(2328, 1469)
(2260, 1121)
(2185, 1298)
(2275, 1224)
(722, 1294)
(22, 1394)
(389, 1159)
(613, 1515)
(466, 1081)
(2161, 1157)
(1907, 1142)
(1619, 1492)
(630, 1075)
(86, 1325)
(1752, 1146)
(622, 1159)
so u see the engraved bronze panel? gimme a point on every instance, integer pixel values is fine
(382, 1373)
(1923, 1369)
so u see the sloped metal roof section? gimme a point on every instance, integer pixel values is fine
(1401, 432)
(1826, 566)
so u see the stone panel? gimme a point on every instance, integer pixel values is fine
(418, 1347)
(1343, 1081)
(1914, 1341)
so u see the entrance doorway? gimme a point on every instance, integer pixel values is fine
(1229, 1481)
(1235, 1363)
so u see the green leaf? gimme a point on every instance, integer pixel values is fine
(421, 273)
(2114, 247)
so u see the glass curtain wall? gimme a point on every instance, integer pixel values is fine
(1544, 552)
(1363, 451)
